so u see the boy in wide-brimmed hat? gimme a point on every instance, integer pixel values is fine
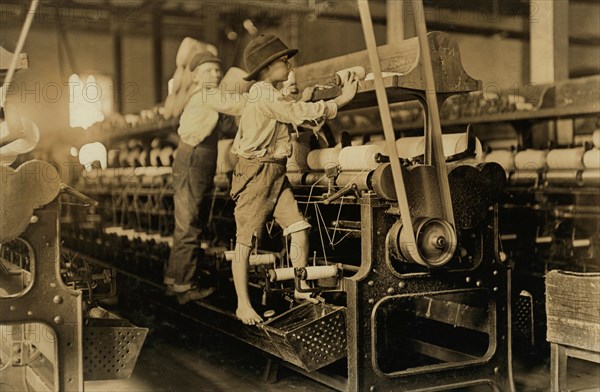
(263, 144)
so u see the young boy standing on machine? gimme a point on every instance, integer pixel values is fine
(260, 187)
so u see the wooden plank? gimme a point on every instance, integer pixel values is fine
(573, 333)
(402, 57)
(583, 354)
(574, 296)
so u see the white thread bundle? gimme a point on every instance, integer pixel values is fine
(323, 158)
(504, 158)
(410, 147)
(591, 159)
(531, 160)
(596, 138)
(358, 158)
(568, 158)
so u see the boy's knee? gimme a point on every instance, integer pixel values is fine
(298, 227)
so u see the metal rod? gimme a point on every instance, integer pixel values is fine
(18, 49)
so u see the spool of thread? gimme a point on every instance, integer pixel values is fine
(504, 158)
(596, 138)
(544, 240)
(361, 179)
(298, 162)
(320, 272)
(315, 178)
(562, 177)
(133, 158)
(113, 158)
(155, 157)
(590, 177)
(156, 143)
(581, 243)
(569, 158)
(531, 160)
(358, 71)
(123, 154)
(310, 273)
(223, 161)
(359, 158)
(524, 177)
(166, 156)
(323, 158)
(145, 158)
(591, 159)
(281, 274)
(410, 147)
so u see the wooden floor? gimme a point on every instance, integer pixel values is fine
(172, 361)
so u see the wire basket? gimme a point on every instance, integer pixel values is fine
(310, 336)
(111, 347)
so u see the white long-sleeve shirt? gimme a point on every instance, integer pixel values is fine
(201, 114)
(266, 115)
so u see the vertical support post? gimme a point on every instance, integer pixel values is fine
(549, 54)
(117, 38)
(395, 20)
(157, 51)
(558, 367)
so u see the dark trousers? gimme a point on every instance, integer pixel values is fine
(193, 174)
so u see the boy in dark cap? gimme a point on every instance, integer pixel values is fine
(260, 186)
(207, 116)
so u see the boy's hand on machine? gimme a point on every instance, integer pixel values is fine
(307, 94)
(349, 88)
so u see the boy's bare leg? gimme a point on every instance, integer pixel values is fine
(239, 268)
(299, 258)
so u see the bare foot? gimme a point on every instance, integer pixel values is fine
(248, 315)
(304, 297)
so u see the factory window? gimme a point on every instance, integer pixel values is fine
(90, 99)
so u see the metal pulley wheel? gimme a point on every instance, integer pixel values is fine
(435, 242)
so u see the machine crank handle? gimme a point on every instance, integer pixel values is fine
(66, 189)
(342, 192)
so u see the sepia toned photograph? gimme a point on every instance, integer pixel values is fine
(299, 195)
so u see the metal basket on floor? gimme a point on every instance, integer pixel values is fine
(111, 347)
(310, 336)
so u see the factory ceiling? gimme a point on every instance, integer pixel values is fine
(508, 18)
